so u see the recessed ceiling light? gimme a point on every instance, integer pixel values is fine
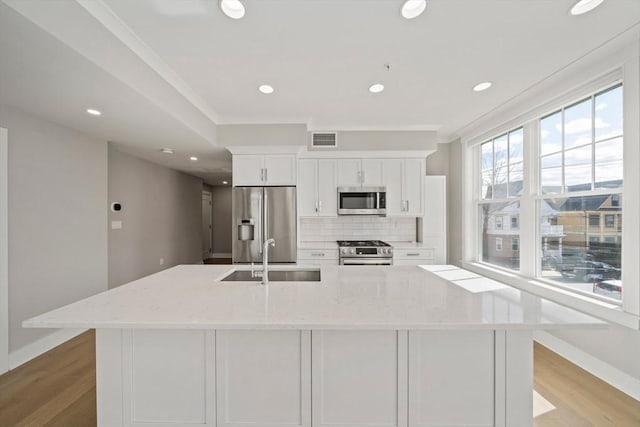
(413, 8)
(376, 88)
(193, 158)
(482, 86)
(234, 9)
(266, 89)
(225, 182)
(94, 112)
(584, 6)
(166, 150)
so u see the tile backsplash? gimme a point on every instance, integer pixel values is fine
(357, 228)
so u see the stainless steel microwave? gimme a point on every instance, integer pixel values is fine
(362, 201)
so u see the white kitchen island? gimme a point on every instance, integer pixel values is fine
(365, 346)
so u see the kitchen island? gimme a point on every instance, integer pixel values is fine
(383, 346)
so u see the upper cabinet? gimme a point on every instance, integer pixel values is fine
(404, 179)
(360, 173)
(317, 189)
(264, 169)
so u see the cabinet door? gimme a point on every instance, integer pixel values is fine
(280, 169)
(263, 378)
(307, 186)
(451, 378)
(372, 172)
(392, 176)
(359, 378)
(413, 186)
(247, 169)
(327, 188)
(349, 173)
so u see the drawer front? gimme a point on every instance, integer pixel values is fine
(317, 254)
(414, 253)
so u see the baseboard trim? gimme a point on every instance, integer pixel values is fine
(607, 373)
(220, 255)
(44, 344)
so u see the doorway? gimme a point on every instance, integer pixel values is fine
(4, 254)
(207, 225)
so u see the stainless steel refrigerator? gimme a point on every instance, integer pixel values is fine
(261, 213)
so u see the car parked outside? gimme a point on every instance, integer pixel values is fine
(608, 288)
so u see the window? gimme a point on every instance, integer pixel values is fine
(501, 169)
(577, 199)
(580, 185)
(609, 221)
(515, 222)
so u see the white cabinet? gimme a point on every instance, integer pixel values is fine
(317, 189)
(318, 256)
(359, 378)
(360, 172)
(451, 378)
(404, 181)
(260, 169)
(263, 378)
(413, 256)
(433, 225)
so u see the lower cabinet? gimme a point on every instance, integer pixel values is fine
(263, 378)
(451, 378)
(413, 256)
(359, 378)
(318, 256)
(346, 378)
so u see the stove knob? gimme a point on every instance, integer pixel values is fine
(352, 251)
(343, 250)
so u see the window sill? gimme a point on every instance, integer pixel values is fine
(606, 311)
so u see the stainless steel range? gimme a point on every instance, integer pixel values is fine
(368, 252)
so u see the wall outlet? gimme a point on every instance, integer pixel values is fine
(161, 261)
(116, 225)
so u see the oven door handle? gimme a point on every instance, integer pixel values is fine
(366, 261)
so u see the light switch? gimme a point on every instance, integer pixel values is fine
(116, 225)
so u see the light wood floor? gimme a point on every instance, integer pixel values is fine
(58, 389)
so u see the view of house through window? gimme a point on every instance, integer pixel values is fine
(579, 198)
(581, 234)
(502, 172)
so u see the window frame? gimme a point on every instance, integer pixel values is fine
(540, 105)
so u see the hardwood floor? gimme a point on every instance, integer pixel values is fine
(58, 389)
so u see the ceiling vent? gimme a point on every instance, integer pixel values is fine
(324, 140)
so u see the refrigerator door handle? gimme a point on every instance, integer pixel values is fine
(266, 217)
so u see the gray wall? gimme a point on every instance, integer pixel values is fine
(383, 140)
(161, 218)
(57, 219)
(221, 220)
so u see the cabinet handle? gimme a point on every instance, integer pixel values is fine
(316, 206)
(412, 254)
(262, 174)
(407, 206)
(317, 254)
(266, 174)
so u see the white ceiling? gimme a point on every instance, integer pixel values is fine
(167, 71)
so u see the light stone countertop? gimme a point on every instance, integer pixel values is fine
(353, 297)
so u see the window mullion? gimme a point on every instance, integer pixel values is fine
(528, 211)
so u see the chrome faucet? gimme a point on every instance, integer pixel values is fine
(265, 260)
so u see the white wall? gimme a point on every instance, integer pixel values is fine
(57, 219)
(454, 202)
(161, 218)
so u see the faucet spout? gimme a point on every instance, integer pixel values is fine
(265, 260)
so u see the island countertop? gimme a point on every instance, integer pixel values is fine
(353, 297)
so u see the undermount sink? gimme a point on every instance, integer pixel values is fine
(312, 275)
